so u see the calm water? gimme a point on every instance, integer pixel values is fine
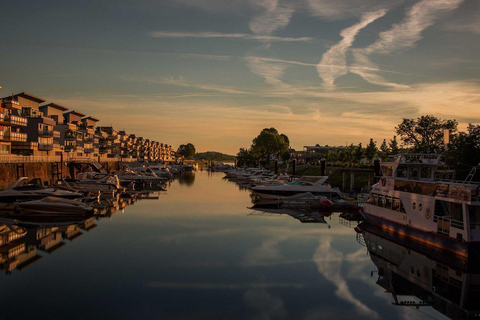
(198, 252)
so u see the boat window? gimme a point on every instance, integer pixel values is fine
(396, 204)
(387, 171)
(401, 172)
(474, 212)
(375, 199)
(388, 202)
(413, 173)
(426, 172)
(381, 201)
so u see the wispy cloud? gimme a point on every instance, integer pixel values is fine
(344, 9)
(402, 36)
(246, 36)
(329, 263)
(273, 17)
(269, 70)
(333, 63)
(405, 34)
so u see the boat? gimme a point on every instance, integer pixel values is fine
(418, 276)
(413, 201)
(54, 206)
(21, 191)
(312, 184)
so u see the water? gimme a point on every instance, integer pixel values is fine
(198, 252)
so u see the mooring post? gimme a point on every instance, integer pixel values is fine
(344, 184)
(323, 167)
(352, 181)
(294, 167)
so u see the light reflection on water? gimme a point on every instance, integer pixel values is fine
(198, 252)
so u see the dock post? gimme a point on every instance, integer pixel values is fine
(294, 167)
(276, 166)
(376, 169)
(323, 167)
(352, 181)
(344, 184)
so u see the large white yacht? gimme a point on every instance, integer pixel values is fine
(411, 200)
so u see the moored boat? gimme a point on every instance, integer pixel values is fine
(411, 200)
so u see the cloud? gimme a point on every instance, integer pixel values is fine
(246, 36)
(333, 63)
(273, 18)
(401, 36)
(329, 263)
(345, 9)
(405, 34)
(271, 71)
(267, 306)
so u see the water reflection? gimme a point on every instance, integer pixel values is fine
(22, 238)
(187, 178)
(302, 215)
(417, 276)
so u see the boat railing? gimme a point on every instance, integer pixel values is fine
(447, 221)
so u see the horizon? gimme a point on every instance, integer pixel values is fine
(216, 74)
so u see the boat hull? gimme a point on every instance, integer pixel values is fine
(460, 248)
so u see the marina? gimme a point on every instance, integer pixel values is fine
(202, 241)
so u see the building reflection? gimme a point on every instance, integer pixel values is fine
(24, 242)
(418, 276)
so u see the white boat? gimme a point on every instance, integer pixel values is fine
(54, 206)
(411, 200)
(21, 190)
(314, 185)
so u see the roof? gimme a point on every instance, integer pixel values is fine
(75, 113)
(30, 96)
(90, 118)
(55, 106)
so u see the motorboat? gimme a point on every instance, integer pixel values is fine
(21, 191)
(54, 206)
(312, 184)
(411, 200)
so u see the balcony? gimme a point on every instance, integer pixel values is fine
(69, 148)
(12, 120)
(56, 134)
(45, 133)
(13, 136)
(88, 150)
(45, 147)
(70, 136)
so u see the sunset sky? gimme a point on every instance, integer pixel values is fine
(216, 72)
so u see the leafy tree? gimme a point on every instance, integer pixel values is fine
(186, 150)
(394, 148)
(350, 154)
(269, 142)
(425, 134)
(371, 150)
(464, 149)
(245, 158)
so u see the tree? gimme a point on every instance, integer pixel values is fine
(269, 142)
(359, 152)
(464, 149)
(245, 158)
(425, 134)
(186, 150)
(371, 150)
(384, 150)
(394, 148)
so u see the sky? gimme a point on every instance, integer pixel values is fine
(215, 73)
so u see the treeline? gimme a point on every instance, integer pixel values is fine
(426, 134)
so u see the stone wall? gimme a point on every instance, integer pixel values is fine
(9, 172)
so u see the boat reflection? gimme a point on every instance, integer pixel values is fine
(302, 215)
(24, 241)
(418, 276)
